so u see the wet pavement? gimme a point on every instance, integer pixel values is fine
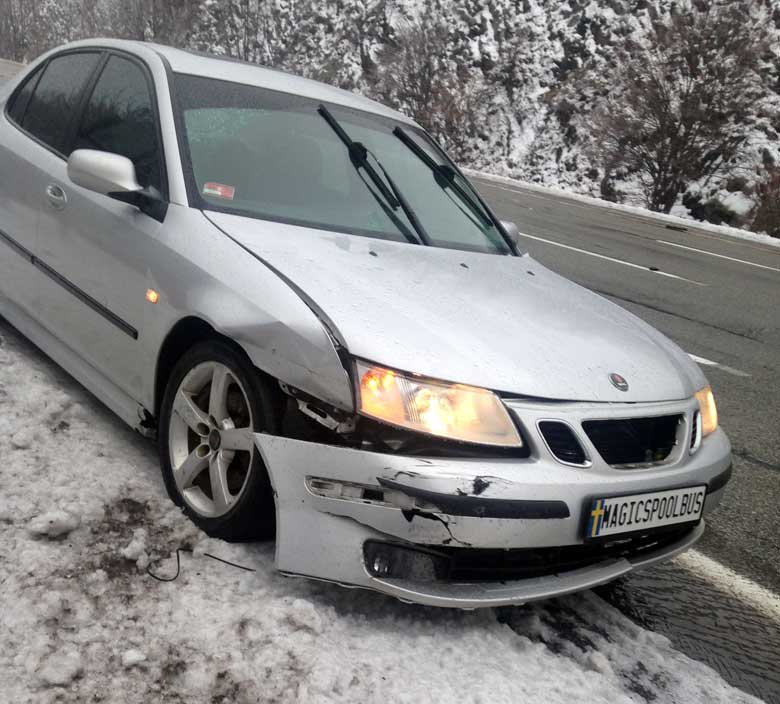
(707, 622)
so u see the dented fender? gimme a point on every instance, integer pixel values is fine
(241, 298)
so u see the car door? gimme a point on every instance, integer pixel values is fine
(32, 132)
(98, 245)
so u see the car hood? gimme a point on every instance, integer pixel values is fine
(499, 322)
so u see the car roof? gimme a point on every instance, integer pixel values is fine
(237, 71)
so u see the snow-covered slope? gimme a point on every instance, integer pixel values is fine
(83, 513)
(510, 86)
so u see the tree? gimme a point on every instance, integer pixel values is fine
(679, 109)
(419, 76)
(767, 217)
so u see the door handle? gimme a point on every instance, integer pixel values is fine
(56, 196)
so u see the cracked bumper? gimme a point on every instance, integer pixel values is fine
(482, 504)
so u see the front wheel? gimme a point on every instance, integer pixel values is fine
(213, 404)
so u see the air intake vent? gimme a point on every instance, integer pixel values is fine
(633, 441)
(562, 442)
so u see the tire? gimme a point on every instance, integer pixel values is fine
(213, 401)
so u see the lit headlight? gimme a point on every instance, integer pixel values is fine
(452, 411)
(708, 410)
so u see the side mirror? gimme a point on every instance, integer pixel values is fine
(512, 231)
(102, 172)
(114, 176)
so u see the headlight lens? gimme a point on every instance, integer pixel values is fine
(454, 411)
(709, 411)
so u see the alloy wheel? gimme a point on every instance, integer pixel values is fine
(210, 439)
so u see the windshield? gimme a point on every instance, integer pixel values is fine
(271, 155)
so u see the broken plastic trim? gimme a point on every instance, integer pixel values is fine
(364, 493)
(480, 507)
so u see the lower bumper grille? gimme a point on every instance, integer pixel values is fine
(627, 441)
(481, 565)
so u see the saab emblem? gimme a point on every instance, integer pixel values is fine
(618, 382)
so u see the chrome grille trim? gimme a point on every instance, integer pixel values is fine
(555, 452)
(528, 412)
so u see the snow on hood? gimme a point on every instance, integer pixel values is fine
(503, 323)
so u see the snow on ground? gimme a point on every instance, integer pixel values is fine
(634, 210)
(83, 512)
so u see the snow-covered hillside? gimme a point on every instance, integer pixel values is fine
(510, 86)
(83, 513)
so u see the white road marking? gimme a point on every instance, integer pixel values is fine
(612, 259)
(739, 587)
(723, 367)
(720, 256)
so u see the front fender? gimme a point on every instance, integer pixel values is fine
(200, 272)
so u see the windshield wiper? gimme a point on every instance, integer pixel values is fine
(444, 175)
(358, 154)
(410, 214)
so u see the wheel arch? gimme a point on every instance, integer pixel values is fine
(183, 336)
(186, 333)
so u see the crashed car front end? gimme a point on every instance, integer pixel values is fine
(502, 528)
(479, 415)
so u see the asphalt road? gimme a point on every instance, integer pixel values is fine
(719, 298)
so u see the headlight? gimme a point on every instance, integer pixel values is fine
(454, 411)
(709, 412)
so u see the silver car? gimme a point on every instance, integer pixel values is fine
(333, 337)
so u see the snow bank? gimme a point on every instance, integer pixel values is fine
(662, 218)
(82, 621)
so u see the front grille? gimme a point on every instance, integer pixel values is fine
(489, 565)
(562, 442)
(628, 441)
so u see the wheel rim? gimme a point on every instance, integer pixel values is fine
(210, 439)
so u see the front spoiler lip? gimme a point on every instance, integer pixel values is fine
(489, 594)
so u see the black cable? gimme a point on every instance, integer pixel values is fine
(167, 579)
(227, 562)
(178, 566)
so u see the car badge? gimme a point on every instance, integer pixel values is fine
(618, 382)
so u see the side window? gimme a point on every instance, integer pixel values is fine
(56, 97)
(22, 97)
(119, 118)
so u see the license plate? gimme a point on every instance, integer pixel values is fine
(627, 514)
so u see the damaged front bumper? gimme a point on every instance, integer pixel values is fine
(336, 504)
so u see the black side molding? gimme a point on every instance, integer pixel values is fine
(479, 507)
(68, 286)
(719, 481)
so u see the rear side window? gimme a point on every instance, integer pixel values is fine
(16, 112)
(56, 97)
(119, 118)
